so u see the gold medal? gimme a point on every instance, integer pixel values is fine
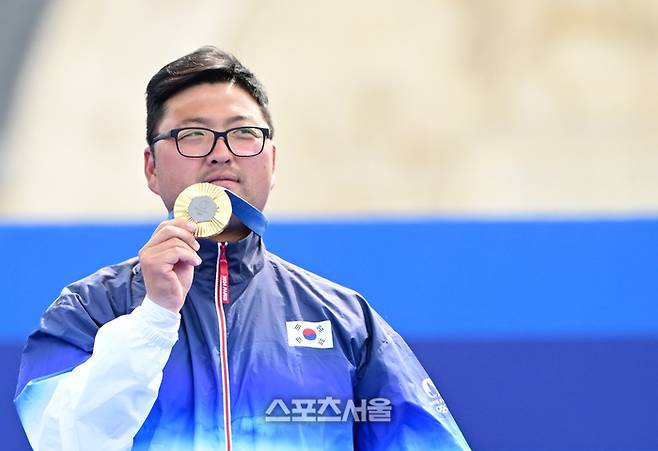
(205, 204)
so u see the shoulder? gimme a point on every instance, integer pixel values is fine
(111, 291)
(294, 275)
(85, 305)
(300, 274)
(312, 292)
(111, 281)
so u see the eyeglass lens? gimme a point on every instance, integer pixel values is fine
(197, 142)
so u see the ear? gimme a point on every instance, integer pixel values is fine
(150, 171)
(273, 182)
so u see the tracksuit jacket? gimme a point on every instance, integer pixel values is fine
(277, 359)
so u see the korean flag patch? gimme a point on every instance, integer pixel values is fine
(310, 334)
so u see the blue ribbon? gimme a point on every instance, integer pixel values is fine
(249, 215)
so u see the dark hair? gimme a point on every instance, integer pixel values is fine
(205, 65)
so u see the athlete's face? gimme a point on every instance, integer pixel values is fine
(218, 106)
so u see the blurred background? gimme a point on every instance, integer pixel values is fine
(501, 154)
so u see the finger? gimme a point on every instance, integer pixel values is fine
(177, 222)
(168, 256)
(152, 253)
(178, 230)
(168, 244)
(185, 224)
(180, 222)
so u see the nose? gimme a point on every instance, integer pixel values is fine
(220, 153)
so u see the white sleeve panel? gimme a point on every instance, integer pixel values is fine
(103, 402)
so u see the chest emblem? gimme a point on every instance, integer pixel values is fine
(310, 334)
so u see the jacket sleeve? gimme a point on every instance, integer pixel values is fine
(105, 399)
(404, 409)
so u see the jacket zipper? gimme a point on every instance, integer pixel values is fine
(222, 297)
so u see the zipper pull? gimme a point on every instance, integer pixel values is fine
(223, 274)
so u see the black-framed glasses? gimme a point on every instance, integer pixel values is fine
(199, 142)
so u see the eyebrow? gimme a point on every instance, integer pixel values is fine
(227, 123)
(238, 118)
(196, 121)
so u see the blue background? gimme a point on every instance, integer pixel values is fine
(541, 335)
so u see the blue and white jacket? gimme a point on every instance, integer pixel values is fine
(291, 362)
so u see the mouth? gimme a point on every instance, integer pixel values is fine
(224, 182)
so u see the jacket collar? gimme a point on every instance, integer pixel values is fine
(245, 258)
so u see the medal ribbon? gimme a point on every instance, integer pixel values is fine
(250, 216)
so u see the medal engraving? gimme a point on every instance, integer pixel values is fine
(205, 204)
(202, 208)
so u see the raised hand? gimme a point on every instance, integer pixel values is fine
(168, 260)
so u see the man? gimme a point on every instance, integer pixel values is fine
(160, 352)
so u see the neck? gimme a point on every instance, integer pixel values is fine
(231, 234)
